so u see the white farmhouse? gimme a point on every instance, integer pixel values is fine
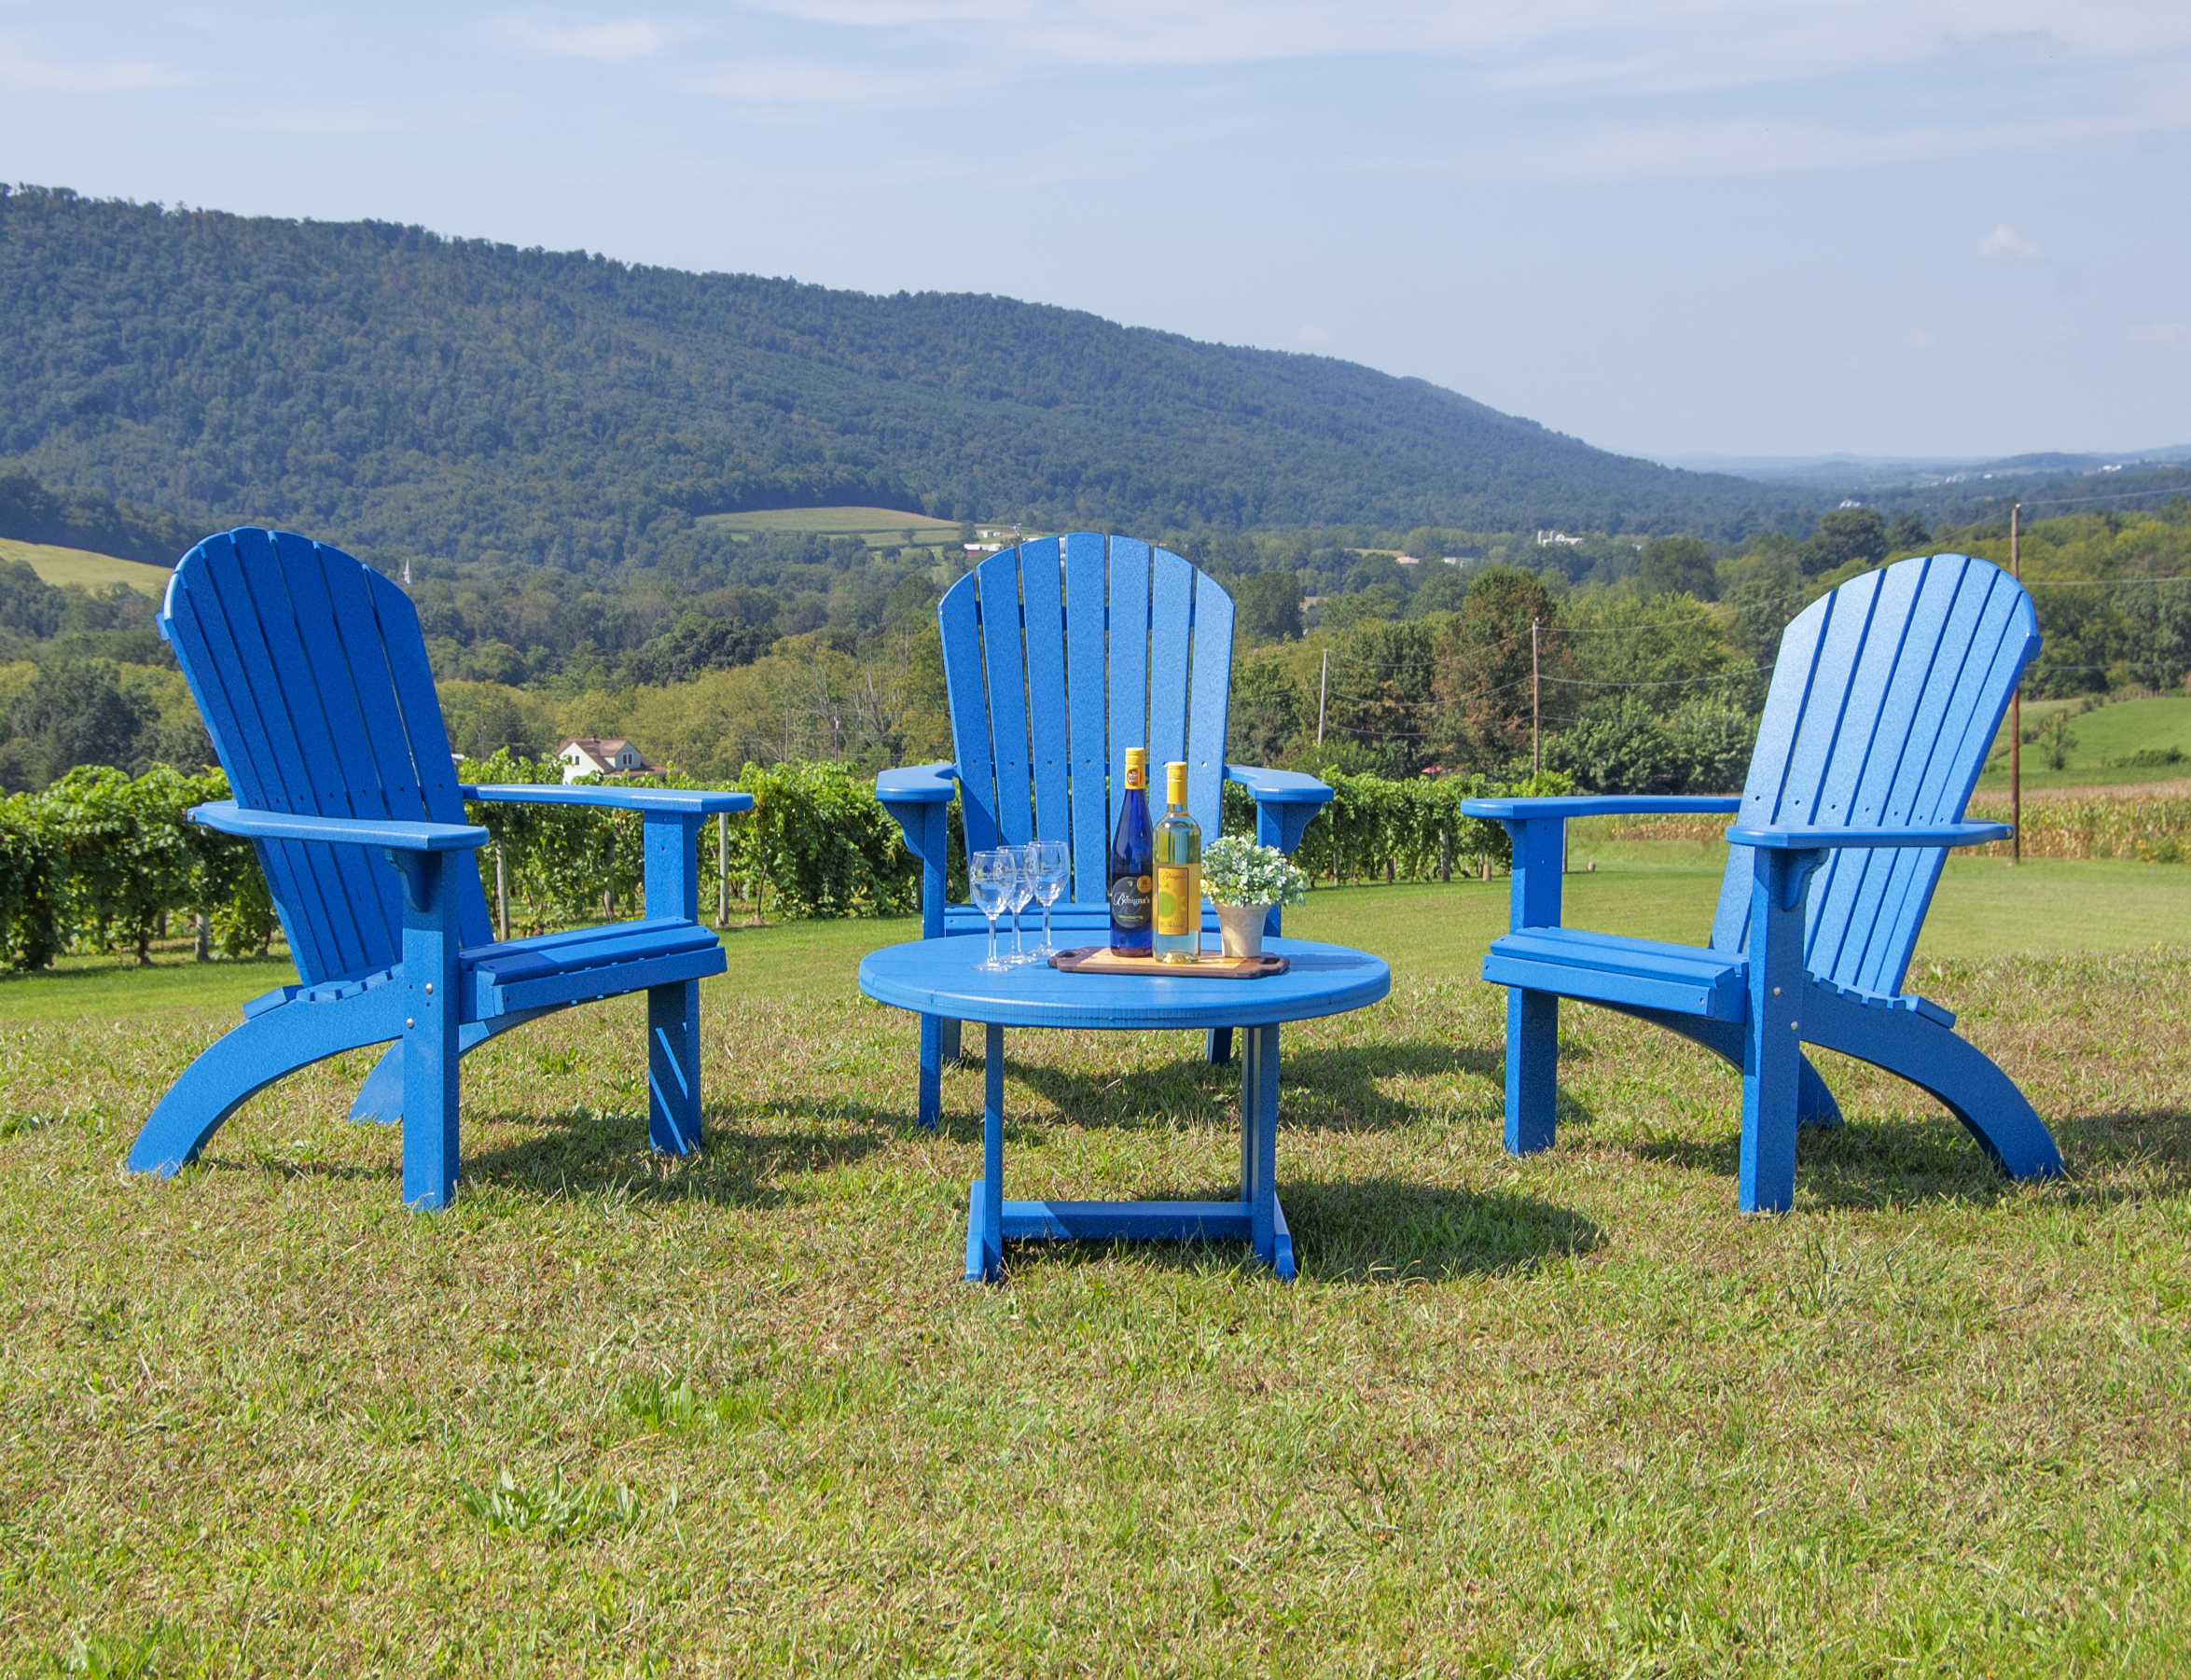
(591, 755)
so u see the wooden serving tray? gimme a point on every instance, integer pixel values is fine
(1209, 966)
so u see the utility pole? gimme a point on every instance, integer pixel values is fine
(2015, 704)
(1537, 703)
(1322, 688)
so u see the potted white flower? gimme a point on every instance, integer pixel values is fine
(1243, 881)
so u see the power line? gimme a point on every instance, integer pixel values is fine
(2120, 495)
(1672, 682)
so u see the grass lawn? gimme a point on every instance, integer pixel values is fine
(880, 526)
(2099, 741)
(1563, 1416)
(58, 565)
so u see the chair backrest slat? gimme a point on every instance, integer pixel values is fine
(312, 675)
(1211, 703)
(1043, 621)
(1087, 582)
(958, 617)
(1884, 703)
(1058, 656)
(1171, 602)
(1126, 701)
(997, 578)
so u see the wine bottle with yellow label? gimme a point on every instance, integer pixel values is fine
(1129, 884)
(1177, 845)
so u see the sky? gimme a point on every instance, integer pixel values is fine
(1671, 228)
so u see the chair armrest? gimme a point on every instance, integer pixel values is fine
(918, 784)
(919, 796)
(1279, 786)
(658, 801)
(229, 817)
(1809, 838)
(1286, 802)
(1614, 804)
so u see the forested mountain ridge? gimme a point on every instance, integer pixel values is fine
(414, 396)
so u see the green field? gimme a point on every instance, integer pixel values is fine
(882, 527)
(58, 566)
(1562, 1416)
(2100, 739)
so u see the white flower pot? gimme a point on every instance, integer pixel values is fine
(1241, 927)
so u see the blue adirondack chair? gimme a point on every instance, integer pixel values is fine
(1058, 656)
(312, 675)
(1884, 703)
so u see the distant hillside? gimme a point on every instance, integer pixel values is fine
(31, 512)
(419, 396)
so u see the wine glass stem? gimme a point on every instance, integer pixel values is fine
(992, 938)
(1045, 925)
(1015, 930)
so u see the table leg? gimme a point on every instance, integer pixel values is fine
(985, 1206)
(1258, 1149)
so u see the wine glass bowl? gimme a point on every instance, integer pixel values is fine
(1023, 866)
(990, 877)
(1053, 868)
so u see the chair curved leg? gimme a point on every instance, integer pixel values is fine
(379, 1099)
(244, 1060)
(1936, 1058)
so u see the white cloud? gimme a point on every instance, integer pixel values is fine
(1917, 339)
(2005, 240)
(39, 76)
(610, 42)
(792, 82)
(1650, 40)
(2171, 335)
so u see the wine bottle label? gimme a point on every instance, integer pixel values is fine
(1179, 898)
(1130, 901)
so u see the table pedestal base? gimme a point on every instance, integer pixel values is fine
(1256, 1218)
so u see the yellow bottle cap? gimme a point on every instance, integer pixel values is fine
(1175, 783)
(1137, 766)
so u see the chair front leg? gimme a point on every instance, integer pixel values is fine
(672, 1067)
(1532, 1018)
(1532, 1069)
(432, 1033)
(1773, 1053)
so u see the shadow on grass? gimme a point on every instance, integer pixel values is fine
(1901, 1159)
(739, 1165)
(1388, 1230)
(594, 1152)
(1378, 1230)
(1332, 1090)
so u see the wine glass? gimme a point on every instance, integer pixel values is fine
(989, 878)
(1053, 865)
(1022, 891)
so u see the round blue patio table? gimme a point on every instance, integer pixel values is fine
(938, 976)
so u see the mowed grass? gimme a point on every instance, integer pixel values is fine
(880, 526)
(56, 565)
(1569, 1415)
(2099, 740)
